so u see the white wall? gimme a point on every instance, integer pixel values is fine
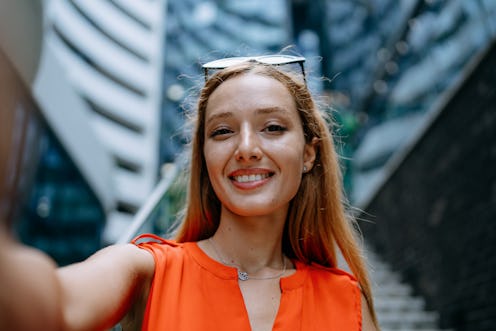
(112, 54)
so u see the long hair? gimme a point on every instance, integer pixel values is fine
(317, 221)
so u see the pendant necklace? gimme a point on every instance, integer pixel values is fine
(243, 275)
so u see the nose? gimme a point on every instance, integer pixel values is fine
(248, 146)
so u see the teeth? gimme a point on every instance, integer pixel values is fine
(250, 178)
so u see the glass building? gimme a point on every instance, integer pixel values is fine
(61, 215)
(391, 63)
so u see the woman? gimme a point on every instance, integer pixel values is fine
(256, 248)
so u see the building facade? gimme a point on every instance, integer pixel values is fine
(61, 208)
(112, 55)
(389, 63)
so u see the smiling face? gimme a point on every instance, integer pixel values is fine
(254, 146)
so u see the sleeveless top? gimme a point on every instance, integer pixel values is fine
(190, 291)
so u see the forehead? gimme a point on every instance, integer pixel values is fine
(250, 91)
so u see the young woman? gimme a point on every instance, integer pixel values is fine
(257, 247)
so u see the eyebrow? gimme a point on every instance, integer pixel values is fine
(219, 116)
(263, 110)
(269, 110)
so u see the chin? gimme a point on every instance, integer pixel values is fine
(252, 210)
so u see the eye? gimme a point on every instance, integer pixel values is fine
(275, 128)
(220, 132)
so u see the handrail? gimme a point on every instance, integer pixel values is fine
(170, 172)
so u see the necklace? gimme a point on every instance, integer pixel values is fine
(243, 275)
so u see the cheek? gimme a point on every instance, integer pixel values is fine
(214, 162)
(208, 151)
(209, 162)
(290, 153)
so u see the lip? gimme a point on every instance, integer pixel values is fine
(250, 178)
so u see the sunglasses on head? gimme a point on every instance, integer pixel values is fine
(275, 60)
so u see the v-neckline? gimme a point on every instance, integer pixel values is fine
(228, 273)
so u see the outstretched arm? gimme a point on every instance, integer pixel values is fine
(98, 292)
(91, 295)
(30, 294)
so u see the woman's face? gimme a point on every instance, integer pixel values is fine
(254, 145)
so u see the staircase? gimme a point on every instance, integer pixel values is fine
(396, 307)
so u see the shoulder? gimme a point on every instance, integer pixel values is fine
(158, 247)
(335, 274)
(152, 241)
(335, 281)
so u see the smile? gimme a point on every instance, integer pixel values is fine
(250, 178)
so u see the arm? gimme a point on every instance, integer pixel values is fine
(98, 292)
(91, 295)
(30, 293)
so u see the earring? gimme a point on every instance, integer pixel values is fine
(304, 168)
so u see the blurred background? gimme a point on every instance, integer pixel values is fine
(97, 93)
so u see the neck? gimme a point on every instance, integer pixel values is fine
(251, 243)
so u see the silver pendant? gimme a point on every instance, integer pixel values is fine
(242, 275)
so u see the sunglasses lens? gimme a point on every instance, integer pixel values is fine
(266, 59)
(279, 59)
(224, 63)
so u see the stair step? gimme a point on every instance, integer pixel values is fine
(412, 317)
(385, 304)
(396, 307)
(392, 290)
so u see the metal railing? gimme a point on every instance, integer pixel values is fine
(154, 205)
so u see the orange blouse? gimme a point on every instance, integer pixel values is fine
(190, 292)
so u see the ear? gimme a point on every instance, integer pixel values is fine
(310, 153)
